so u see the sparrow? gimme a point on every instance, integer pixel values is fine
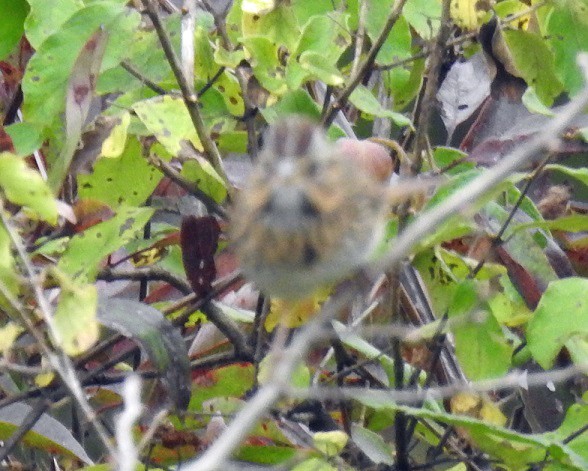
(308, 216)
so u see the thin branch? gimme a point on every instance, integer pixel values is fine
(139, 76)
(498, 238)
(430, 95)
(459, 201)
(359, 36)
(128, 453)
(58, 359)
(187, 40)
(170, 172)
(341, 100)
(41, 406)
(514, 380)
(217, 455)
(147, 274)
(229, 329)
(190, 98)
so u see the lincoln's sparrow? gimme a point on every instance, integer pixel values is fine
(308, 215)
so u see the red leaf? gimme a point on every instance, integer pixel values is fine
(524, 281)
(199, 241)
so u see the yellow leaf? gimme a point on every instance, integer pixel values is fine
(8, 334)
(295, 313)
(467, 14)
(492, 414)
(148, 256)
(75, 316)
(466, 403)
(330, 443)
(44, 379)
(258, 7)
(114, 144)
(477, 406)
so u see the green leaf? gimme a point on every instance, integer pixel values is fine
(573, 223)
(75, 316)
(404, 83)
(525, 248)
(51, 66)
(168, 119)
(398, 42)
(513, 448)
(480, 344)
(160, 339)
(535, 63)
(14, 13)
(576, 419)
(534, 104)
(266, 455)
(424, 16)
(114, 144)
(26, 137)
(127, 180)
(300, 377)
(279, 26)
(228, 381)
(294, 102)
(228, 87)
(366, 102)
(372, 444)
(225, 58)
(44, 19)
(325, 35)
(204, 65)
(445, 156)
(567, 35)
(8, 334)
(330, 443)
(265, 63)
(305, 9)
(201, 172)
(314, 63)
(86, 250)
(142, 49)
(508, 307)
(560, 320)
(579, 174)
(8, 276)
(80, 93)
(25, 187)
(48, 434)
(314, 464)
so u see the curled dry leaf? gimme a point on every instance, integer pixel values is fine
(372, 157)
(199, 241)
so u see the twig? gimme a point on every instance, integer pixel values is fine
(145, 273)
(187, 40)
(58, 360)
(341, 100)
(497, 239)
(216, 456)
(170, 172)
(190, 98)
(41, 406)
(430, 95)
(127, 456)
(416, 395)
(139, 76)
(359, 36)
(230, 330)
(459, 201)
